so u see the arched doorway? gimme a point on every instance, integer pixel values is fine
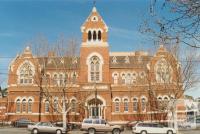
(95, 107)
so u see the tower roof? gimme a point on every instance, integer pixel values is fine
(94, 20)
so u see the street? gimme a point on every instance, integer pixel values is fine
(24, 131)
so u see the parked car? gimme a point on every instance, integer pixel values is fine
(145, 128)
(131, 124)
(45, 127)
(198, 123)
(23, 122)
(70, 125)
(99, 125)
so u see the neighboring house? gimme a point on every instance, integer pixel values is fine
(101, 84)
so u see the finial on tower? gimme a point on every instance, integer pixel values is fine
(94, 6)
(94, 3)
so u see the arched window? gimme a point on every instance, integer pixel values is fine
(55, 105)
(74, 76)
(24, 105)
(166, 101)
(143, 104)
(94, 35)
(125, 105)
(46, 79)
(55, 79)
(61, 79)
(134, 77)
(26, 74)
(117, 105)
(163, 71)
(18, 103)
(123, 78)
(135, 104)
(95, 69)
(89, 35)
(99, 35)
(46, 107)
(30, 102)
(159, 99)
(73, 105)
(115, 78)
(128, 78)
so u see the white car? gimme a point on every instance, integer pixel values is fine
(148, 128)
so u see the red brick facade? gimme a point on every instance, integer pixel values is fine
(126, 85)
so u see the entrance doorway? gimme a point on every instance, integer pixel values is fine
(95, 108)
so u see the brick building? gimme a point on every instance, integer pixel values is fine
(117, 86)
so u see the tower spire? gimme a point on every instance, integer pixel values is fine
(94, 3)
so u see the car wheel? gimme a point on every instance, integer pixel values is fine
(58, 132)
(143, 132)
(91, 131)
(35, 131)
(169, 132)
(116, 131)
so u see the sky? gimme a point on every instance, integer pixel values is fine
(23, 20)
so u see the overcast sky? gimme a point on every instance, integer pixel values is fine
(23, 20)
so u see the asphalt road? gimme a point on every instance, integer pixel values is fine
(24, 131)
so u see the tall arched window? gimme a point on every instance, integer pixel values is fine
(123, 78)
(95, 69)
(117, 105)
(46, 107)
(94, 35)
(73, 105)
(163, 71)
(24, 105)
(135, 104)
(125, 105)
(55, 105)
(74, 76)
(99, 35)
(143, 104)
(55, 79)
(26, 74)
(115, 78)
(128, 78)
(18, 103)
(61, 79)
(89, 35)
(30, 102)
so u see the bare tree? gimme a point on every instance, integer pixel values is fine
(56, 75)
(170, 19)
(177, 74)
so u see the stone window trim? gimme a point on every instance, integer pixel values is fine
(126, 104)
(127, 60)
(94, 35)
(135, 101)
(73, 102)
(164, 66)
(46, 106)
(30, 105)
(114, 59)
(88, 63)
(115, 76)
(125, 98)
(32, 69)
(18, 105)
(117, 102)
(144, 101)
(115, 98)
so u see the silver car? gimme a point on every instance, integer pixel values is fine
(45, 127)
(99, 125)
